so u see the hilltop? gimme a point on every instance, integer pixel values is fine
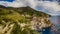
(23, 10)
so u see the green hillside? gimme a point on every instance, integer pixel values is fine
(18, 20)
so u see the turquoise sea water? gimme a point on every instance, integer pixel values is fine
(46, 30)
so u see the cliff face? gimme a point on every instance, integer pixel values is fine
(21, 20)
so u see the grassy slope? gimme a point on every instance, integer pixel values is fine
(18, 15)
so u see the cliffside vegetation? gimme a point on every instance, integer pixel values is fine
(17, 20)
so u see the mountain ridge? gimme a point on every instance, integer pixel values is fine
(23, 9)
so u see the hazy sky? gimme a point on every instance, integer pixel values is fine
(51, 7)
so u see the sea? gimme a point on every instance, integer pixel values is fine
(55, 20)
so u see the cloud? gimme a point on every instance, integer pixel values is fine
(12, 4)
(46, 6)
(19, 3)
(52, 6)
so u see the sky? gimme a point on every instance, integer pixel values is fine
(51, 7)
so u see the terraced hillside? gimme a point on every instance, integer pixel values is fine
(21, 20)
